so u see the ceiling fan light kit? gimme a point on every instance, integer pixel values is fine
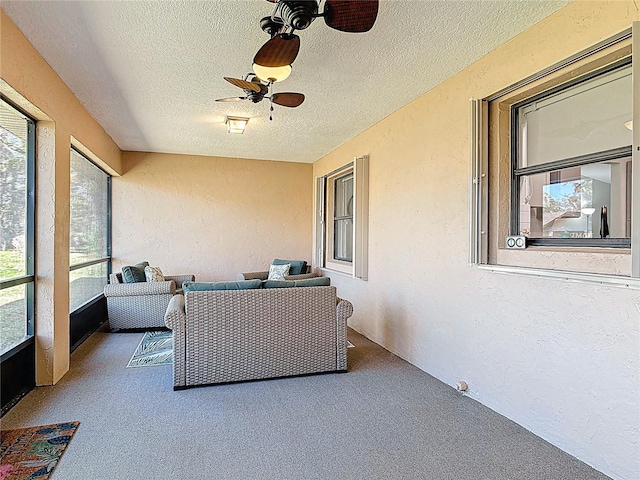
(236, 124)
(272, 74)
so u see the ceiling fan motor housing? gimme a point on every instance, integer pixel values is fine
(271, 25)
(298, 14)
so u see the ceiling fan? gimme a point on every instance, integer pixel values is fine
(355, 16)
(255, 91)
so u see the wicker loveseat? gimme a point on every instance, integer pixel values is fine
(299, 271)
(236, 335)
(140, 305)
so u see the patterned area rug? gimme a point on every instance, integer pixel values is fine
(155, 348)
(33, 452)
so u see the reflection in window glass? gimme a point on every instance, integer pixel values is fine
(568, 203)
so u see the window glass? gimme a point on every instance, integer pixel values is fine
(591, 116)
(86, 283)
(343, 219)
(14, 239)
(89, 211)
(13, 314)
(13, 189)
(572, 176)
(89, 230)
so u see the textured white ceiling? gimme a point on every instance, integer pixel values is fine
(150, 71)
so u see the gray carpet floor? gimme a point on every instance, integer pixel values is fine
(384, 419)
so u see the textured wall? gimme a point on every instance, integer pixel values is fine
(29, 82)
(559, 358)
(210, 216)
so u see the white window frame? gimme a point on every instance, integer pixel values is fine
(358, 268)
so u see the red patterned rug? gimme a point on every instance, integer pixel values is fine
(33, 452)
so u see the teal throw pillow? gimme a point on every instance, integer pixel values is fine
(208, 286)
(297, 266)
(307, 282)
(134, 273)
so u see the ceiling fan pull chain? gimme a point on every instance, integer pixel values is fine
(271, 112)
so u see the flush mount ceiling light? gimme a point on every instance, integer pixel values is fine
(272, 74)
(236, 124)
(629, 124)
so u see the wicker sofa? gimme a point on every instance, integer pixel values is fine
(140, 305)
(236, 335)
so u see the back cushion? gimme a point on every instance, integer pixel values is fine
(207, 286)
(297, 266)
(307, 282)
(134, 273)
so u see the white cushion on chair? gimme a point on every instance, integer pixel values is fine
(153, 274)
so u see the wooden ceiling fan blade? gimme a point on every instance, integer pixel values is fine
(281, 50)
(288, 99)
(354, 16)
(243, 84)
(231, 99)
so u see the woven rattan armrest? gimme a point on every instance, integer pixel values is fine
(344, 309)
(139, 288)
(252, 276)
(175, 317)
(180, 278)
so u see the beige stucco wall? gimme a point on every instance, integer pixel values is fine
(29, 82)
(210, 216)
(559, 358)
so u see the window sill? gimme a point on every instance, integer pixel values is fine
(558, 248)
(614, 262)
(588, 278)
(326, 271)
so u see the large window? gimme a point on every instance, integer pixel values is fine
(89, 235)
(572, 162)
(17, 180)
(342, 220)
(553, 160)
